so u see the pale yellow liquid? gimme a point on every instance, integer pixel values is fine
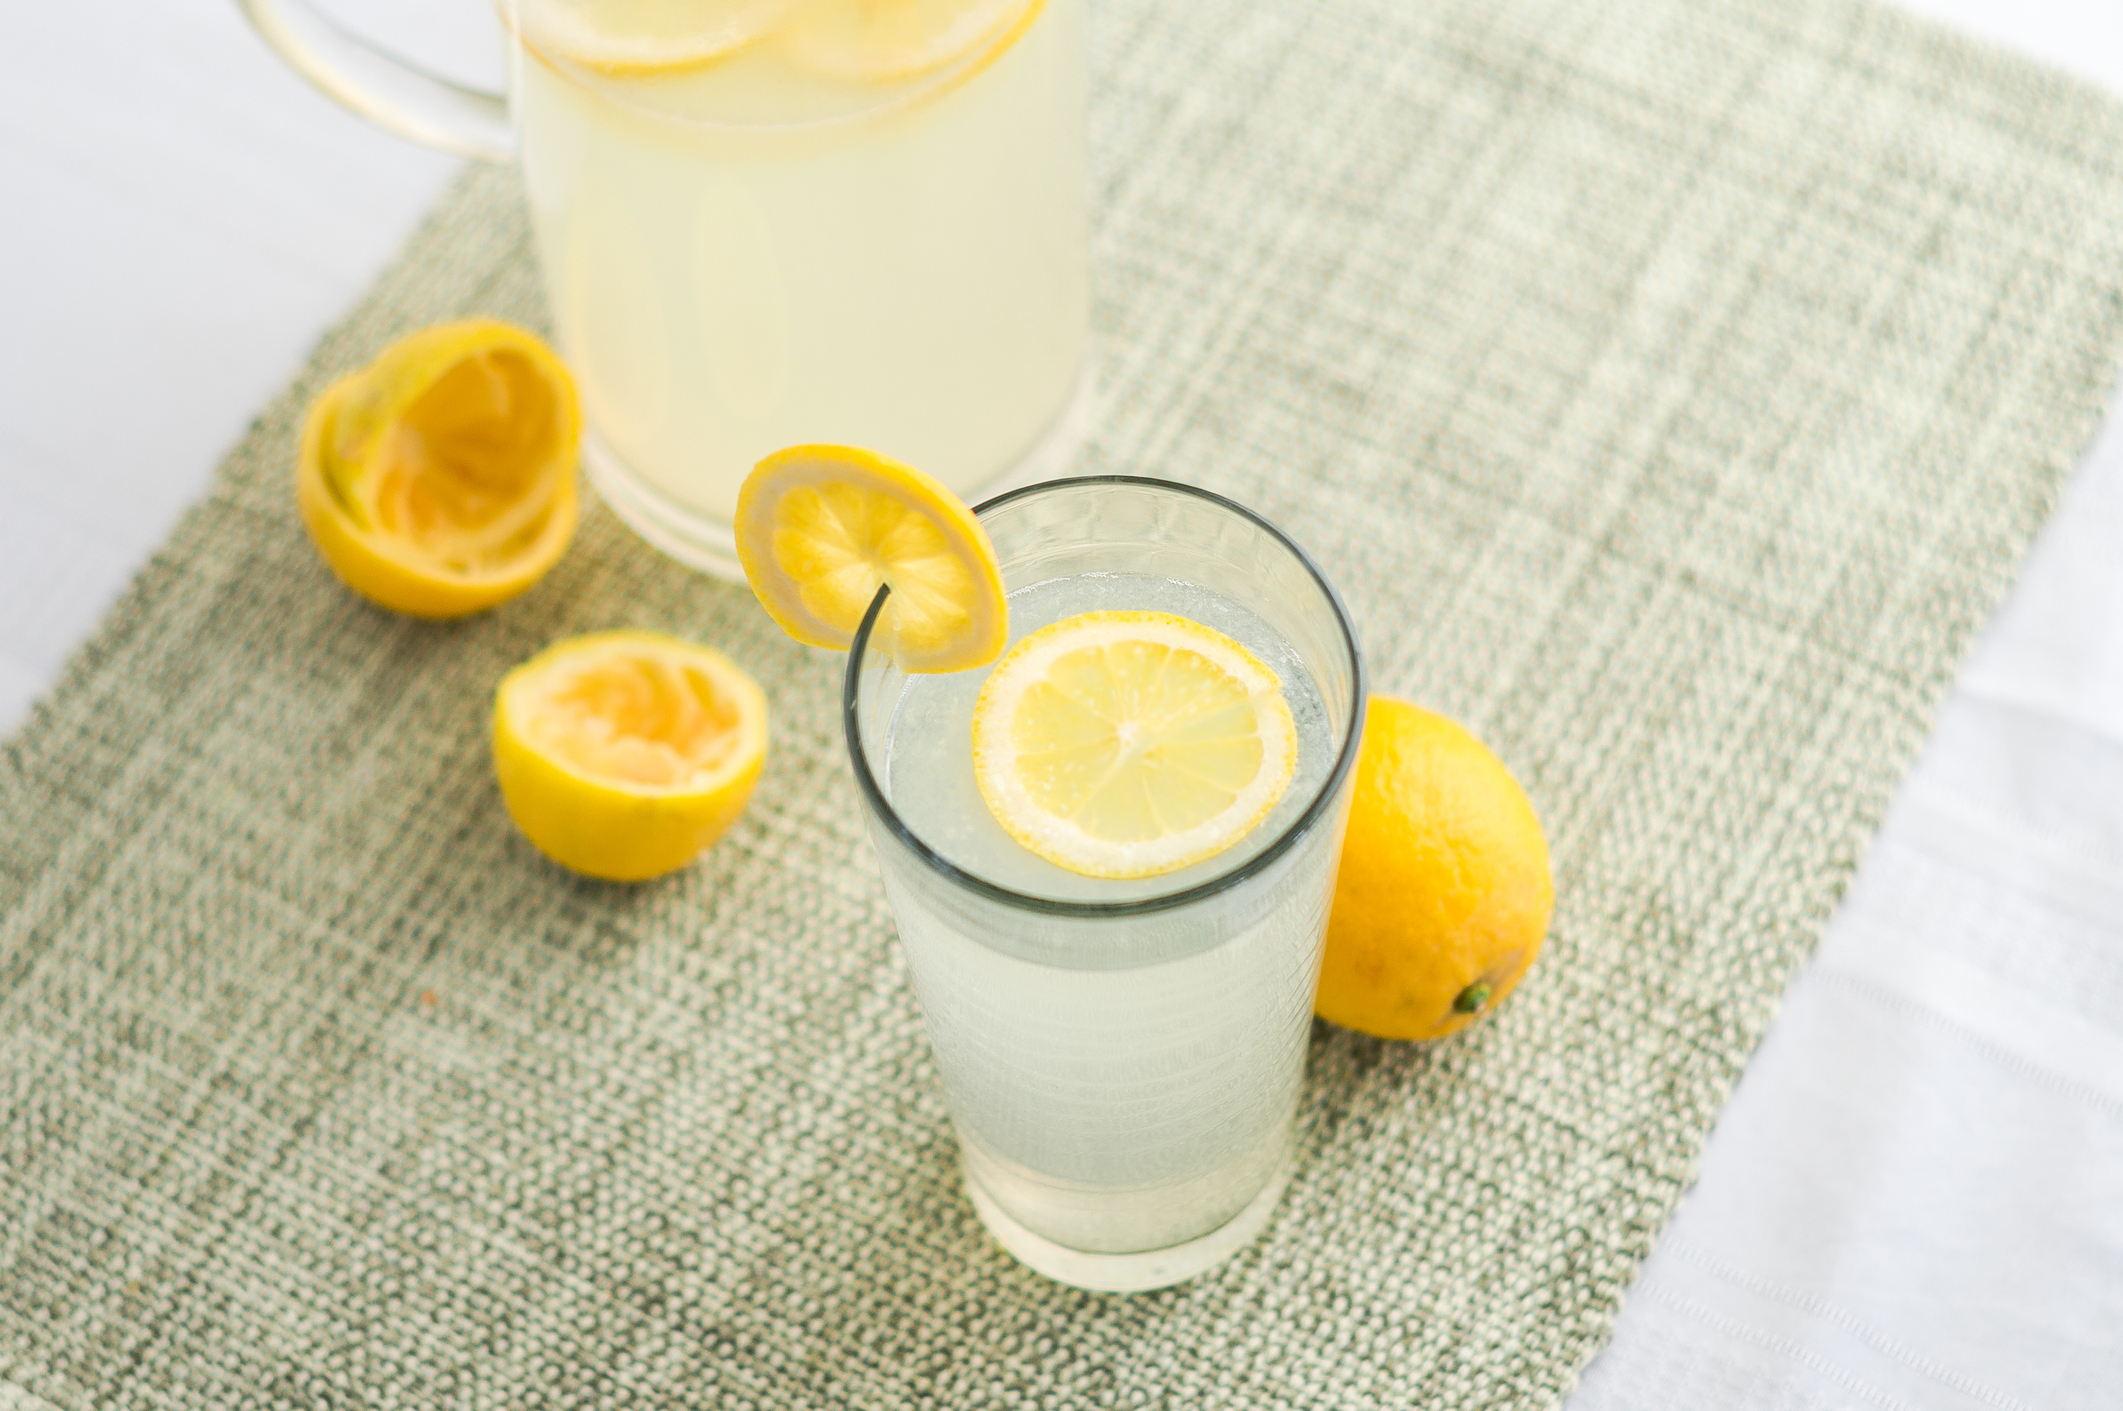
(753, 256)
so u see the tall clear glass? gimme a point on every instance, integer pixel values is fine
(1121, 1059)
(769, 222)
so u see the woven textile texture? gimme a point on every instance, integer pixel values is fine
(1671, 387)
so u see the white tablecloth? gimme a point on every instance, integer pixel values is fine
(1916, 1197)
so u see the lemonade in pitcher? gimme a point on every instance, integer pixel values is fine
(765, 222)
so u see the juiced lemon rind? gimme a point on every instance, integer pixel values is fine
(820, 528)
(599, 821)
(1003, 755)
(347, 435)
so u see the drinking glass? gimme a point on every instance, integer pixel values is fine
(765, 249)
(1121, 1059)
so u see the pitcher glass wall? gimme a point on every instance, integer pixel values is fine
(768, 222)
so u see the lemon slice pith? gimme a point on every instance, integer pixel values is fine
(631, 38)
(440, 479)
(1131, 744)
(819, 528)
(625, 754)
(880, 41)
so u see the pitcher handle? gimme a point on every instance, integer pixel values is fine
(385, 89)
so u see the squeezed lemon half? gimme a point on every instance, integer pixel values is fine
(1131, 744)
(623, 755)
(820, 528)
(440, 479)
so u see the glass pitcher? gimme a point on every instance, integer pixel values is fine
(769, 222)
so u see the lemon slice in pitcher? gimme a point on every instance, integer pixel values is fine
(1131, 744)
(624, 754)
(820, 528)
(440, 479)
(883, 41)
(644, 37)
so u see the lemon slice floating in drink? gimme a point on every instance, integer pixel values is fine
(440, 479)
(624, 754)
(820, 528)
(881, 41)
(1131, 744)
(642, 37)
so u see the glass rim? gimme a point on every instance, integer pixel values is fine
(951, 872)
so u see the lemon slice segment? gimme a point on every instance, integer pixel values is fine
(440, 479)
(623, 755)
(1131, 744)
(820, 528)
(627, 38)
(882, 41)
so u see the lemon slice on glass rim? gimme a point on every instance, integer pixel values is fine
(820, 528)
(1131, 744)
(440, 479)
(623, 755)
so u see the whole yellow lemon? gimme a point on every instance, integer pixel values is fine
(1444, 892)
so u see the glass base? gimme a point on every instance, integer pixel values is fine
(1130, 1273)
(704, 542)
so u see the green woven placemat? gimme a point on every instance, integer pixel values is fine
(1671, 386)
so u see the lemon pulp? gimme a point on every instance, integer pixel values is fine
(656, 721)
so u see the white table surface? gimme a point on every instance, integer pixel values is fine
(1916, 1197)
